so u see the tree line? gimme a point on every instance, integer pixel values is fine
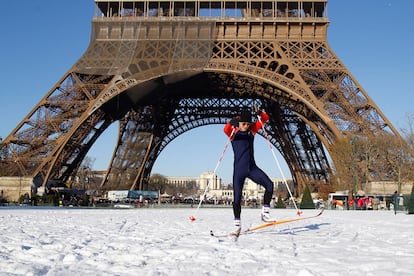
(362, 159)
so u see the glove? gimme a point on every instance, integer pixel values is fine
(234, 122)
(256, 109)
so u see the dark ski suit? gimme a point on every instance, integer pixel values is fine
(244, 165)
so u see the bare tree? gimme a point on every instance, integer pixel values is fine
(408, 134)
(342, 156)
(359, 160)
(84, 176)
(157, 182)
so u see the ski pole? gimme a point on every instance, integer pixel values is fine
(278, 165)
(192, 218)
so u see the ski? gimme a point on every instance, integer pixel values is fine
(231, 236)
(267, 224)
(276, 222)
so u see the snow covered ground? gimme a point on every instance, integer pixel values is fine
(162, 241)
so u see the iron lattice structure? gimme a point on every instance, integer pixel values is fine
(161, 68)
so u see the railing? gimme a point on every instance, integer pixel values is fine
(264, 10)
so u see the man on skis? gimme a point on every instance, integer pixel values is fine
(241, 130)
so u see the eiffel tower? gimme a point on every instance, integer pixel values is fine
(161, 68)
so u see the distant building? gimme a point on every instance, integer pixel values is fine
(222, 191)
(251, 190)
(201, 182)
(181, 181)
(388, 187)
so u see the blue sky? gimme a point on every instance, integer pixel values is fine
(41, 40)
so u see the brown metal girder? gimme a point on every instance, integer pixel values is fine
(74, 165)
(290, 150)
(317, 128)
(58, 143)
(83, 87)
(333, 89)
(140, 174)
(42, 102)
(129, 153)
(65, 141)
(306, 160)
(127, 145)
(316, 106)
(82, 119)
(332, 92)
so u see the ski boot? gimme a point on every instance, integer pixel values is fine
(266, 214)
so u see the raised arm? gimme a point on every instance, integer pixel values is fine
(230, 126)
(254, 128)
